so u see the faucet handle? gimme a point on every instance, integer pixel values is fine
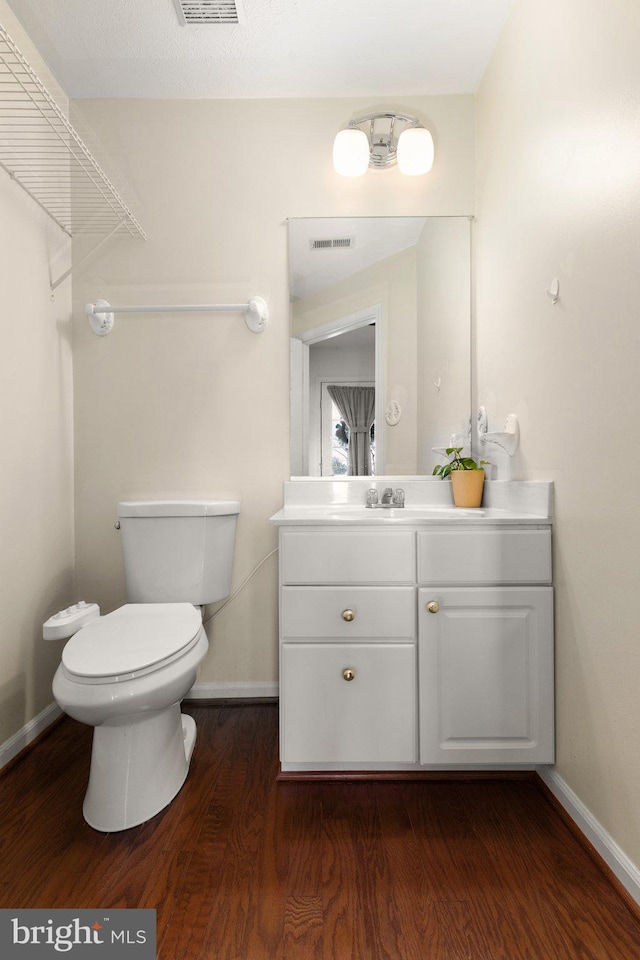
(398, 497)
(372, 497)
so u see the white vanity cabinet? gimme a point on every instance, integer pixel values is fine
(348, 675)
(415, 646)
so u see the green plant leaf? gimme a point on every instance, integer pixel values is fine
(457, 463)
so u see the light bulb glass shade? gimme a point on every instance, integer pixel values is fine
(415, 151)
(351, 153)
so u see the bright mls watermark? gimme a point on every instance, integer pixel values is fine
(80, 934)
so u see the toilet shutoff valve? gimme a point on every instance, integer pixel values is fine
(68, 621)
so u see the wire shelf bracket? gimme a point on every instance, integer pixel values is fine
(44, 154)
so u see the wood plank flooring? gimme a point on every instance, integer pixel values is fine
(242, 867)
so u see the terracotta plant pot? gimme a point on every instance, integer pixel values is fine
(466, 486)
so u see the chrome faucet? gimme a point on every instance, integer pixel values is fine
(398, 497)
(390, 498)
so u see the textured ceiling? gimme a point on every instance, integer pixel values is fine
(284, 48)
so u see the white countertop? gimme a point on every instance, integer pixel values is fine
(331, 515)
(317, 502)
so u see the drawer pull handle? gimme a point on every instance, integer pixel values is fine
(348, 615)
(348, 673)
(433, 606)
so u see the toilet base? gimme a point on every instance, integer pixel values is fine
(138, 765)
(189, 735)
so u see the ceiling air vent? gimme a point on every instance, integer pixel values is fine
(208, 11)
(332, 243)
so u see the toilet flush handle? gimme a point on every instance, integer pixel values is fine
(117, 524)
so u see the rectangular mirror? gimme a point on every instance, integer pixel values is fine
(380, 343)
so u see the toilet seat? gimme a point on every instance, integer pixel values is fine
(134, 640)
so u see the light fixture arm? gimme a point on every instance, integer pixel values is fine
(383, 143)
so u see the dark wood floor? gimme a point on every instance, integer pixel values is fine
(241, 867)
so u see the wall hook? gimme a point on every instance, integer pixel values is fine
(553, 290)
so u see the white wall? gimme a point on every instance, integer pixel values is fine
(187, 405)
(559, 196)
(36, 428)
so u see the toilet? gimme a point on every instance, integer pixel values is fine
(126, 673)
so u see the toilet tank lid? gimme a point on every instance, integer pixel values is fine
(177, 508)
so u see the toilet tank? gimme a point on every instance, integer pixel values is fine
(178, 550)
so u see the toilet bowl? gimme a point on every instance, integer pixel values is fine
(125, 674)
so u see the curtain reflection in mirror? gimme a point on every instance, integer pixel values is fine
(357, 406)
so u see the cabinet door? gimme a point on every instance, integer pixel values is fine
(328, 719)
(486, 675)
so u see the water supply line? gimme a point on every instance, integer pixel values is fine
(237, 591)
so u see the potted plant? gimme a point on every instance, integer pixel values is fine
(467, 477)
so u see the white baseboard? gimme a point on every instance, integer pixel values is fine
(232, 691)
(621, 866)
(12, 747)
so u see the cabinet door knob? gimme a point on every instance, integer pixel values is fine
(348, 673)
(348, 615)
(433, 606)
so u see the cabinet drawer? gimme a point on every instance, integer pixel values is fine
(484, 556)
(326, 612)
(327, 719)
(347, 556)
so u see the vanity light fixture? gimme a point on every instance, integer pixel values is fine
(380, 140)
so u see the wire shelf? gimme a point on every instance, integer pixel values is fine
(42, 152)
